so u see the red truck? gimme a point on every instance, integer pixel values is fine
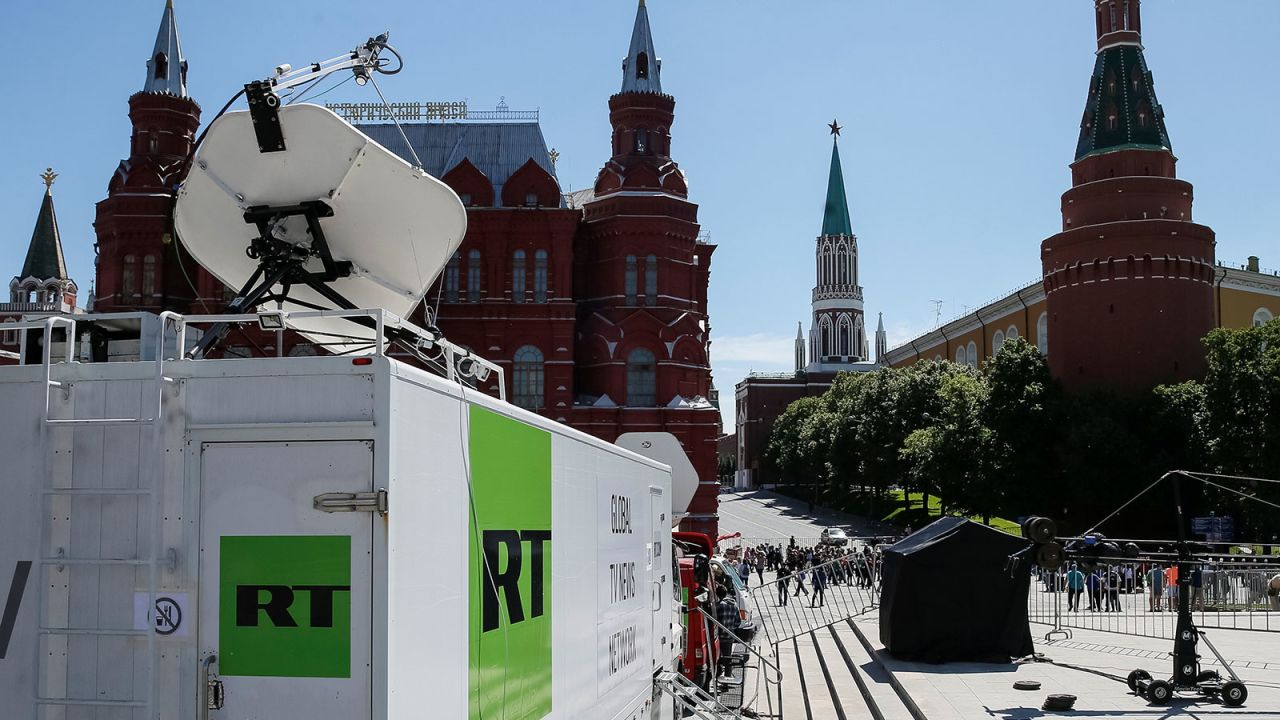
(701, 649)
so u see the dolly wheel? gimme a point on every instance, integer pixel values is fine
(1135, 676)
(1159, 692)
(1234, 694)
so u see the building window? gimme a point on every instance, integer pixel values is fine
(1261, 317)
(642, 66)
(842, 333)
(465, 198)
(451, 278)
(642, 380)
(973, 354)
(1011, 333)
(153, 142)
(997, 342)
(129, 277)
(517, 276)
(527, 378)
(10, 337)
(473, 276)
(825, 346)
(651, 280)
(1042, 333)
(149, 276)
(629, 284)
(641, 140)
(961, 356)
(531, 199)
(162, 66)
(540, 276)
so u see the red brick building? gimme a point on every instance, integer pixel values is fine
(597, 308)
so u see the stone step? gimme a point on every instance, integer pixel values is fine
(819, 699)
(794, 706)
(875, 679)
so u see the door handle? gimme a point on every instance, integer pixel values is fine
(210, 687)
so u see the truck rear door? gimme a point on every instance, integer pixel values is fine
(285, 589)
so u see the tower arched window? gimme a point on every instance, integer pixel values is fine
(642, 66)
(451, 278)
(153, 142)
(825, 346)
(651, 280)
(473, 276)
(1042, 333)
(129, 277)
(540, 276)
(162, 66)
(1261, 317)
(642, 379)
(528, 378)
(517, 276)
(843, 347)
(640, 140)
(148, 276)
(629, 281)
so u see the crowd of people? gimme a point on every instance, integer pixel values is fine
(1101, 586)
(809, 570)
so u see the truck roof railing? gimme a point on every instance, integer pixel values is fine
(437, 354)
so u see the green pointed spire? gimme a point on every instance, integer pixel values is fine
(835, 220)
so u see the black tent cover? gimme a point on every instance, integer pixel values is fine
(949, 595)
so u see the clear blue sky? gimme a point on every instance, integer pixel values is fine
(960, 119)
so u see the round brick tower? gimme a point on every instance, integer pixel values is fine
(1128, 281)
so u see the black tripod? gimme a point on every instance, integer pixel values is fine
(1187, 674)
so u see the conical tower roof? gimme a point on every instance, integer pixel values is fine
(835, 219)
(44, 255)
(167, 68)
(641, 70)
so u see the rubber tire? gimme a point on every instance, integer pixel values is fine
(1026, 685)
(1135, 676)
(1234, 693)
(1159, 692)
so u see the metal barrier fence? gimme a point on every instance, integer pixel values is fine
(1225, 595)
(820, 595)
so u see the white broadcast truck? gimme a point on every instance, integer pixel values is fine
(322, 537)
(338, 537)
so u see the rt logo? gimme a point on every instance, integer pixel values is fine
(274, 601)
(497, 579)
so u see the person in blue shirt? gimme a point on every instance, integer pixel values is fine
(1075, 586)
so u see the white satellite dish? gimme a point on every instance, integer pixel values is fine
(390, 228)
(666, 449)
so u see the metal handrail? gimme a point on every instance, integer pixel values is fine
(735, 636)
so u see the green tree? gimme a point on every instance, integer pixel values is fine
(1241, 420)
(951, 455)
(798, 444)
(1023, 413)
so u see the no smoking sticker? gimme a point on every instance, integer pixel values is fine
(166, 616)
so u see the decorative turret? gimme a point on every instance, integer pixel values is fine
(882, 342)
(800, 353)
(838, 335)
(44, 279)
(1128, 281)
(138, 267)
(167, 68)
(641, 115)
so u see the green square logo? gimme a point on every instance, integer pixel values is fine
(284, 606)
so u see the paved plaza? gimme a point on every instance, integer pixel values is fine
(836, 669)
